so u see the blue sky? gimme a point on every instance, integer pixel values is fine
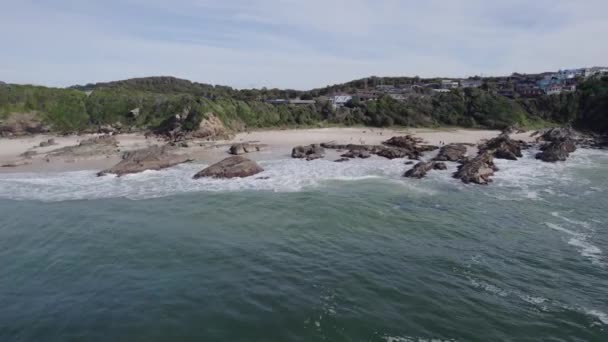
(297, 44)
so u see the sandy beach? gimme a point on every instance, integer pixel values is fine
(278, 145)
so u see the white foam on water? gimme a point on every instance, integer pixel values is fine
(287, 175)
(413, 339)
(493, 289)
(581, 242)
(599, 315)
(572, 221)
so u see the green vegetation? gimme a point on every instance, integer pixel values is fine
(159, 99)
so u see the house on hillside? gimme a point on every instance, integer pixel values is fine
(554, 89)
(449, 84)
(469, 83)
(339, 101)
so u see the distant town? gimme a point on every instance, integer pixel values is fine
(401, 88)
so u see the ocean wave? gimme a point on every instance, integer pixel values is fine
(581, 242)
(525, 179)
(388, 338)
(279, 176)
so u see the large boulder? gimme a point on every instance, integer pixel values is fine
(310, 152)
(556, 151)
(231, 167)
(421, 169)
(151, 158)
(503, 147)
(451, 152)
(242, 148)
(477, 170)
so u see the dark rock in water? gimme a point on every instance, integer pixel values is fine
(357, 154)
(419, 170)
(151, 158)
(409, 162)
(341, 160)
(557, 151)
(451, 152)
(309, 152)
(242, 148)
(477, 170)
(231, 167)
(439, 166)
(503, 147)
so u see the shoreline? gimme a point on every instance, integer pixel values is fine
(278, 144)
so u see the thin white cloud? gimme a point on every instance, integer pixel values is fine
(298, 44)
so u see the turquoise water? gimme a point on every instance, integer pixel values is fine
(319, 252)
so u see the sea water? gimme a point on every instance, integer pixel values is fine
(308, 251)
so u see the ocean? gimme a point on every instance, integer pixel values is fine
(318, 251)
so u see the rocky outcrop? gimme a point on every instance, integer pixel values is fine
(451, 152)
(421, 169)
(503, 147)
(357, 154)
(405, 146)
(243, 148)
(557, 134)
(309, 152)
(210, 127)
(372, 149)
(557, 151)
(96, 146)
(477, 170)
(410, 143)
(394, 153)
(231, 167)
(151, 158)
(18, 124)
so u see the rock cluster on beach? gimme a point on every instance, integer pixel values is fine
(243, 148)
(309, 152)
(151, 158)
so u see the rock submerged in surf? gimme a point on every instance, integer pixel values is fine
(232, 167)
(477, 170)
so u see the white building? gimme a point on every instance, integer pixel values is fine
(340, 100)
(449, 84)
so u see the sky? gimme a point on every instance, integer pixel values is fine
(300, 44)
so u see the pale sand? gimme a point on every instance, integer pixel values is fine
(279, 144)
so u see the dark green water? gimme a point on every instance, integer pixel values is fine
(379, 259)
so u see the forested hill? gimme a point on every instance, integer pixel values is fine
(147, 103)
